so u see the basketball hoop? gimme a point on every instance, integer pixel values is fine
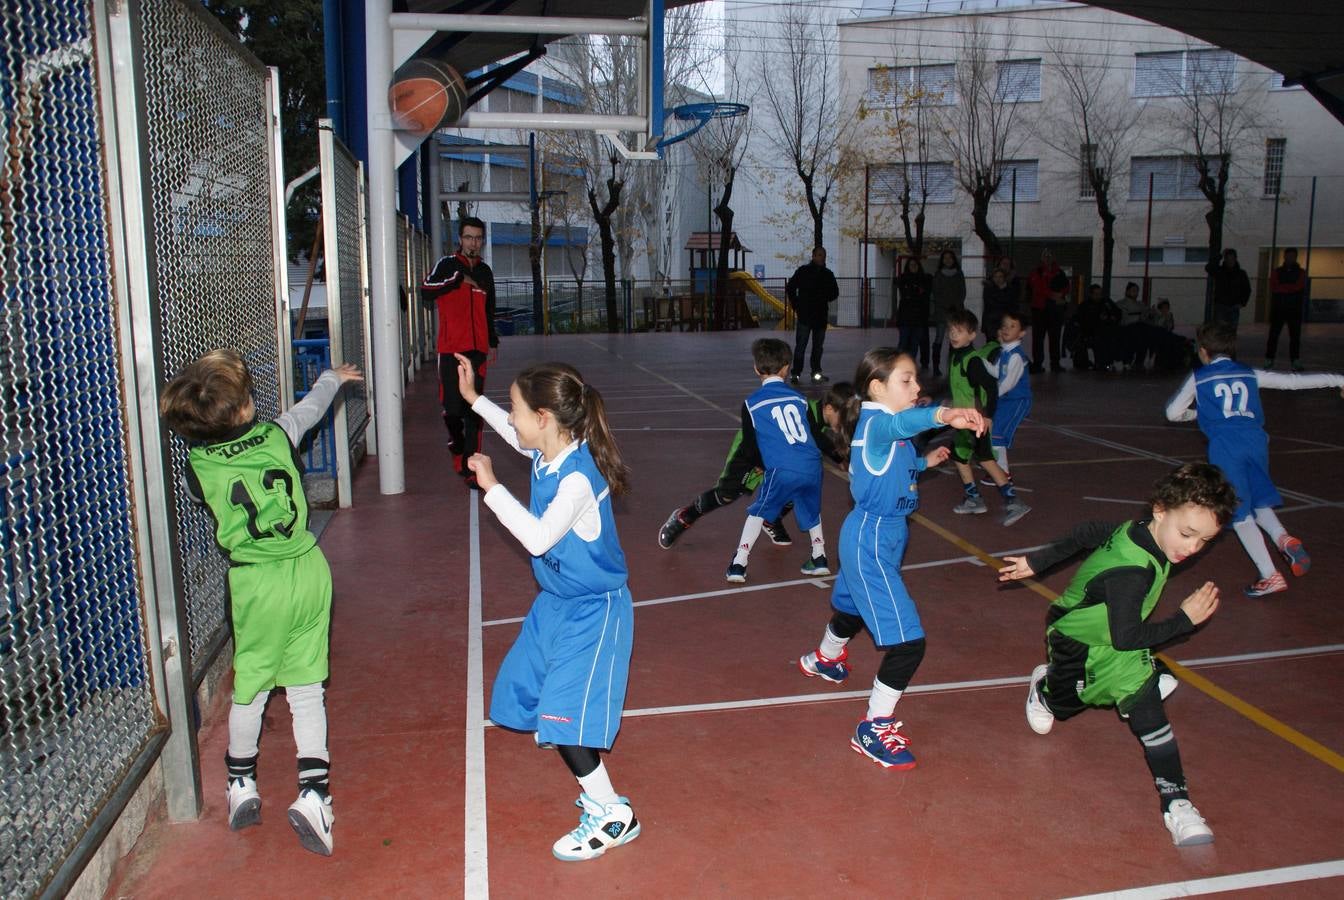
(701, 114)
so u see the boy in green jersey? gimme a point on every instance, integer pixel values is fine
(974, 385)
(1099, 641)
(249, 475)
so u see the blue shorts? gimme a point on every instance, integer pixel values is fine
(1244, 461)
(782, 485)
(1007, 416)
(565, 675)
(869, 584)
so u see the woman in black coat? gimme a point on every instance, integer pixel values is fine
(912, 312)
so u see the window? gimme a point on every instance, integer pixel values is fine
(455, 172)
(1184, 71)
(1169, 256)
(1026, 171)
(886, 183)
(508, 178)
(1019, 81)
(1276, 80)
(1174, 177)
(1274, 148)
(890, 86)
(509, 100)
(1087, 160)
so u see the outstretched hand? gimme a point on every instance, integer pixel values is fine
(348, 372)
(466, 379)
(1016, 569)
(1201, 604)
(968, 419)
(483, 469)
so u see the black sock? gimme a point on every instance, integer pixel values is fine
(313, 774)
(241, 768)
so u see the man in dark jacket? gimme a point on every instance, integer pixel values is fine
(462, 290)
(811, 289)
(1231, 288)
(1287, 290)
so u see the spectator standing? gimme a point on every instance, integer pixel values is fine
(1287, 290)
(912, 311)
(1231, 288)
(1002, 293)
(1049, 288)
(810, 291)
(949, 296)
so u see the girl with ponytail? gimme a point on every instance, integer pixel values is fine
(565, 677)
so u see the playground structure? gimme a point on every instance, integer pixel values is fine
(693, 310)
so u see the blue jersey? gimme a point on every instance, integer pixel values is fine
(883, 465)
(1227, 400)
(574, 567)
(778, 416)
(1022, 390)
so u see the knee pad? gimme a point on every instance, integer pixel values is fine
(899, 664)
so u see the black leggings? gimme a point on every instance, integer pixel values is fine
(1285, 311)
(898, 663)
(582, 761)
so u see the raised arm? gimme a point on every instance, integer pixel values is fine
(1293, 381)
(302, 416)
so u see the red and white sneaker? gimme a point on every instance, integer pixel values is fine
(1271, 585)
(1297, 555)
(882, 742)
(814, 665)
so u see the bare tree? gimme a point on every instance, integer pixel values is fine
(1096, 131)
(980, 129)
(802, 119)
(721, 147)
(1214, 124)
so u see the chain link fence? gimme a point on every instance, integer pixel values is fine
(75, 691)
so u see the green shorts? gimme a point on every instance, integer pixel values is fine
(281, 623)
(966, 447)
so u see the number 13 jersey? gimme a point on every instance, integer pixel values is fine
(252, 485)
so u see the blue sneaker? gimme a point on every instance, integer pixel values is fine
(736, 574)
(816, 566)
(814, 665)
(879, 740)
(601, 827)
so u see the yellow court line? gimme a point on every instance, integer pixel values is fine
(1231, 701)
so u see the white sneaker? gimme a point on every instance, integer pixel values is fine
(311, 817)
(1186, 824)
(1166, 684)
(1039, 716)
(244, 803)
(601, 827)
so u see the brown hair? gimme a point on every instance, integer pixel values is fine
(204, 401)
(1199, 483)
(1217, 339)
(878, 363)
(578, 409)
(770, 355)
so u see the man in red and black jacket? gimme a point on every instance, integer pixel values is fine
(462, 290)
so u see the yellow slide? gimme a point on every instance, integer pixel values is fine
(759, 290)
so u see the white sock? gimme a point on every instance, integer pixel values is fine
(597, 784)
(751, 530)
(818, 542)
(245, 726)
(1001, 457)
(832, 646)
(1254, 542)
(309, 715)
(882, 701)
(1266, 519)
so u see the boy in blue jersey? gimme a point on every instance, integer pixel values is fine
(775, 419)
(1226, 398)
(1009, 365)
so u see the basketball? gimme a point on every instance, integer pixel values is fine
(426, 94)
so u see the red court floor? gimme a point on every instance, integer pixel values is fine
(738, 767)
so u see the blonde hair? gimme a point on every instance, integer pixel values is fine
(205, 400)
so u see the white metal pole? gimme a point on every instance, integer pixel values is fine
(383, 280)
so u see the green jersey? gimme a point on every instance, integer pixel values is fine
(1089, 623)
(253, 488)
(965, 393)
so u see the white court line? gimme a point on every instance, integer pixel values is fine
(946, 687)
(475, 862)
(823, 582)
(1193, 888)
(647, 428)
(1117, 500)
